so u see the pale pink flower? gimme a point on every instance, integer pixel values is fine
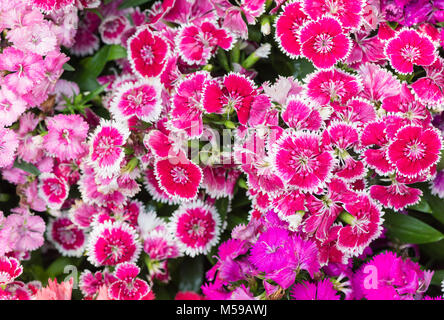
(56, 291)
(66, 136)
(8, 146)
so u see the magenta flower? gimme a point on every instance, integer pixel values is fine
(414, 150)
(197, 43)
(270, 252)
(409, 48)
(288, 24)
(147, 53)
(178, 177)
(127, 286)
(348, 12)
(322, 290)
(237, 93)
(323, 42)
(300, 160)
(111, 243)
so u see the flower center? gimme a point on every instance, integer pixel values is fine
(179, 175)
(415, 150)
(323, 43)
(147, 54)
(410, 53)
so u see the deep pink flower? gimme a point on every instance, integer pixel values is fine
(196, 44)
(396, 196)
(288, 24)
(66, 237)
(363, 225)
(270, 252)
(106, 147)
(322, 290)
(53, 189)
(155, 190)
(322, 213)
(147, 53)
(196, 226)
(389, 277)
(414, 150)
(300, 160)
(111, 243)
(178, 177)
(66, 136)
(237, 93)
(323, 42)
(10, 269)
(302, 114)
(141, 99)
(375, 135)
(437, 185)
(349, 12)
(409, 48)
(187, 107)
(90, 283)
(128, 286)
(429, 89)
(327, 86)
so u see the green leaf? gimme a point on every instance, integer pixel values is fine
(92, 67)
(26, 166)
(57, 267)
(68, 67)
(435, 203)
(132, 3)
(438, 277)
(422, 206)
(93, 94)
(410, 230)
(191, 274)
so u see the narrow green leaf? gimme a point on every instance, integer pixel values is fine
(68, 67)
(422, 206)
(438, 277)
(93, 94)
(410, 230)
(132, 3)
(26, 166)
(57, 267)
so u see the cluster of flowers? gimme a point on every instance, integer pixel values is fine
(323, 157)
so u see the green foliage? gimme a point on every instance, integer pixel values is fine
(408, 229)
